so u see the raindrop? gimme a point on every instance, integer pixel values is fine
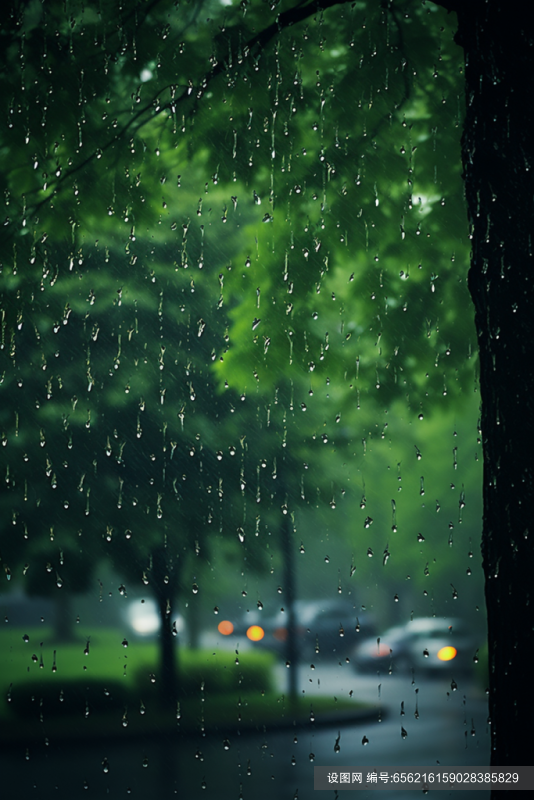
(404, 733)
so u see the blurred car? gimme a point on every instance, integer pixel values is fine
(425, 643)
(328, 628)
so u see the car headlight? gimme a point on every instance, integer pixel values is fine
(255, 633)
(447, 653)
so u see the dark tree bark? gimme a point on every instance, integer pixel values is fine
(498, 157)
(290, 650)
(164, 582)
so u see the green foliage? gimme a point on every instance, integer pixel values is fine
(69, 697)
(234, 239)
(222, 672)
(111, 676)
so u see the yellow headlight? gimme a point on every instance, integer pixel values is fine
(447, 653)
(255, 633)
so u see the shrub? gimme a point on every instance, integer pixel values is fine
(66, 697)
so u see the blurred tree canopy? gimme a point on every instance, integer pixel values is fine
(234, 239)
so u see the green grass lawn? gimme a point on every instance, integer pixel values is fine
(80, 688)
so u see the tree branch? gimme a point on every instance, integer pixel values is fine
(285, 20)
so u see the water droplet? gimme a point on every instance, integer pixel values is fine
(404, 733)
(365, 740)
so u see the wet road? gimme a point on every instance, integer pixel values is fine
(423, 723)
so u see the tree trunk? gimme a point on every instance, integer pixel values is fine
(164, 581)
(63, 618)
(498, 145)
(290, 650)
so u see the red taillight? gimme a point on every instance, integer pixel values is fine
(280, 634)
(381, 650)
(225, 627)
